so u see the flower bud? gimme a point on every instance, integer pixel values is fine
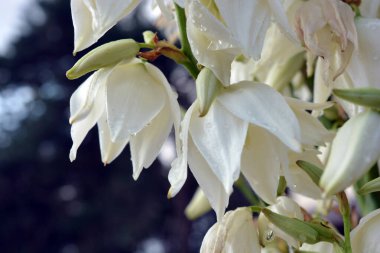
(198, 205)
(354, 150)
(105, 55)
(369, 97)
(149, 37)
(208, 87)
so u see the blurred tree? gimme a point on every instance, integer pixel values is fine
(48, 204)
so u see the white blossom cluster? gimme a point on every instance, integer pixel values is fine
(267, 73)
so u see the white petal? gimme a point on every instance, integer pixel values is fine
(134, 98)
(82, 21)
(146, 145)
(220, 137)
(172, 100)
(262, 106)
(178, 172)
(207, 180)
(210, 41)
(313, 133)
(109, 150)
(248, 21)
(299, 181)
(87, 104)
(365, 237)
(260, 163)
(92, 19)
(323, 247)
(303, 105)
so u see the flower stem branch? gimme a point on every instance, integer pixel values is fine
(190, 65)
(344, 208)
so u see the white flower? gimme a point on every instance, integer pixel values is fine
(327, 29)
(353, 151)
(234, 233)
(230, 28)
(131, 102)
(235, 134)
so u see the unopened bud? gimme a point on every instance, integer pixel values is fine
(353, 151)
(105, 55)
(208, 87)
(369, 97)
(149, 37)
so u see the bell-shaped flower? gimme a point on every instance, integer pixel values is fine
(236, 232)
(131, 103)
(220, 32)
(244, 116)
(326, 28)
(353, 151)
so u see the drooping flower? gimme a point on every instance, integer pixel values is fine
(221, 31)
(214, 144)
(130, 103)
(326, 28)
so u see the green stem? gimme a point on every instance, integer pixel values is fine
(146, 45)
(241, 184)
(191, 66)
(344, 208)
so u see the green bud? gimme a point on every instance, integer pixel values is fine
(105, 55)
(313, 171)
(369, 97)
(149, 37)
(292, 226)
(207, 86)
(306, 232)
(371, 186)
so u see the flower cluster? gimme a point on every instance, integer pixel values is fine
(262, 121)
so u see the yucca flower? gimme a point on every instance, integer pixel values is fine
(131, 103)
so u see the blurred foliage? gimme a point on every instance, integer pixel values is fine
(48, 204)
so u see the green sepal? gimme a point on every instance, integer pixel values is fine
(304, 231)
(369, 97)
(103, 56)
(371, 186)
(313, 171)
(208, 87)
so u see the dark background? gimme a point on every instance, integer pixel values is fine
(48, 204)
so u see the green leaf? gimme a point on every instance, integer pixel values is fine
(369, 97)
(313, 171)
(371, 186)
